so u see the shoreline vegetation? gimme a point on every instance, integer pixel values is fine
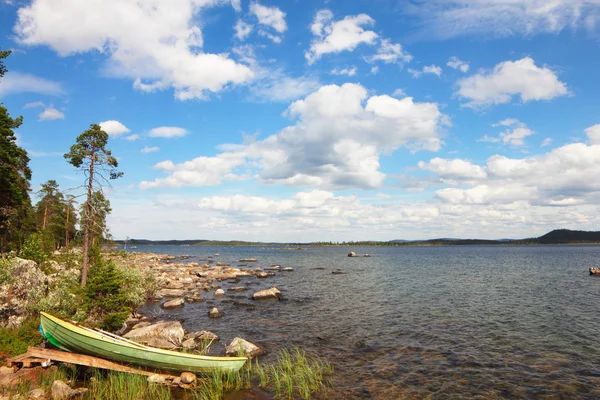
(557, 236)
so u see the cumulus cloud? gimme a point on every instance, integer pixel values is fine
(159, 47)
(456, 63)
(593, 134)
(269, 16)
(428, 69)
(50, 113)
(336, 141)
(147, 149)
(444, 19)
(114, 128)
(337, 36)
(508, 79)
(18, 82)
(344, 71)
(514, 135)
(389, 52)
(168, 132)
(133, 137)
(546, 142)
(399, 93)
(242, 29)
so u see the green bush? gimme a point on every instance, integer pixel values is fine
(16, 341)
(6, 271)
(32, 249)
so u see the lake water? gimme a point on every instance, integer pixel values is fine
(515, 322)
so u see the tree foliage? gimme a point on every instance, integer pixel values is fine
(90, 155)
(14, 174)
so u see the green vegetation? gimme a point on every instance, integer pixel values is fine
(16, 341)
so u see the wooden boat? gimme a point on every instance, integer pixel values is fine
(78, 339)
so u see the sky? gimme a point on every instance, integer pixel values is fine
(299, 121)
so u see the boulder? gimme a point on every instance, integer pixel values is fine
(189, 344)
(142, 324)
(36, 394)
(219, 292)
(171, 331)
(352, 254)
(202, 335)
(28, 283)
(62, 391)
(187, 378)
(194, 298)
(161, 343)
(247, 259)
(237, 289)
(157, 378)
(288, 269)
(272, 293)
(170, 293)
(172, 304)
(175, 285)
(243, 347)
(215, 313)
(594, 271)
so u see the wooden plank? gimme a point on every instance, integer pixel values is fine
(89, 361)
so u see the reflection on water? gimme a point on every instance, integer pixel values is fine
(411, 322)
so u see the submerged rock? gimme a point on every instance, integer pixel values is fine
(247, 260)
(243, 347)
(172, 304)
(219, 292)
(352, 254)
(594, 271)
(271, 293)
(215, 313)
(288, 269)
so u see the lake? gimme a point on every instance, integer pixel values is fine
(410, 322)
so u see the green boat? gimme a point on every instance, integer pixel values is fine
(78, 339)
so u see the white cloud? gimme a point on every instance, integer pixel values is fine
(34, 104)
(133, 137)
(114, 128)
(147, 149)
(399, 93)
(389, 52)
(514, 135)
(593, 134)
(456, 169)
(50, 113)
(337, 36)
(374, 70)
(546, 142)
(428, 69)
(510, 78)
(503, 18)
(269, 16)
(158, 46)
(168, 132)
(242, 29)
(456, 63)
(17, 82)
(344, 71)
(335, 142)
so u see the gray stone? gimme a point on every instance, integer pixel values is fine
(288, 269)
(215, 313)
(36, 394)
(243, 347)
(62, 391)
(161, 343)
(187, 378)
(170, 331)
(172, 304)
(219, 292)
(272, 293)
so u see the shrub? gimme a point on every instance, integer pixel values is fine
(32, 249)
(16, 341)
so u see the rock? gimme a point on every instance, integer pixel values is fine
(6, 370)
(247, 259)
(187, 378)
(272, 293)
(594, 271)
(261, 274)
(175, 285)
(273, 268)
(219, 292)
(176, 381)
(240, 346)
(194, 298)
(170, 293)
(337, 272)
(288, 269)
(172, 304)
(189, 344)
(156, 378)
(237, 289)
(142, 324)
(36, 394)
(171, 331)
(188, 281)
(62, 391)
(28, 284)
(352, 254)
(215, 313)
(161, 343)
(202, 335)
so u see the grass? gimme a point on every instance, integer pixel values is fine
(16, 341)
(292, 376)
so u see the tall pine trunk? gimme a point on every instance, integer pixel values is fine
(88, 221)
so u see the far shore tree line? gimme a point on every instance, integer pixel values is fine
(52, 222)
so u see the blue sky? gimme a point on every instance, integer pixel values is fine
(317, 120)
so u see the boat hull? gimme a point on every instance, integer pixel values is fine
(73, 338)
